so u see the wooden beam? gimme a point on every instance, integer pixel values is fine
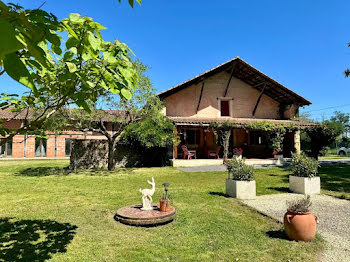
(257, 85)
(200, 97)
(229, 81)
(259, 98)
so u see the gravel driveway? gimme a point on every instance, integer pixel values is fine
(334, 223)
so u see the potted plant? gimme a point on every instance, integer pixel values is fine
(240, 182)
(299, 222)
(278, 155)
(164, 204)
(237, 152)
(304, 179)
(277, 137)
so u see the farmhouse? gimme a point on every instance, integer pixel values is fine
(232, 92)
(238, 93)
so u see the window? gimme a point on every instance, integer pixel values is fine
(6, 149)
(40, 147)
(256, 138)
(68, 148)
(190, 136)
(225, 107)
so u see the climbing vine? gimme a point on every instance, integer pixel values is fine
(275, 132)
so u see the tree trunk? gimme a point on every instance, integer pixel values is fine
(225, 143)
(111, 161)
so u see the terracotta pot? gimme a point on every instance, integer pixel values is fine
(300, 226)
(164, 205)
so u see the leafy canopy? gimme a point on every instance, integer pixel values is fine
(30, 53)
(87, 67)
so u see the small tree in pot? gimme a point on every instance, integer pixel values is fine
(164, 204)
(240, 182)
(277, 136)
(304, 179)
(299, 222)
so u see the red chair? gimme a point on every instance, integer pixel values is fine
(213, 153)
(188, 153)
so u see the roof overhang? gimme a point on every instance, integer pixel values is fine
(248, 74)
(191, 121)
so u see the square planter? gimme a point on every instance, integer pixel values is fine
(279, 158)
(238, 156)
(305, 185)
(241, 189)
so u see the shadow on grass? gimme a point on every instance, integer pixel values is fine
(218, 194)
(335, 177)
(280, 234)
(43, 171)
(58, 171)
(33, 240)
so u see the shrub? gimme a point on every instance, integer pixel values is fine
(300, 205)
(303, 166)
(239, 170)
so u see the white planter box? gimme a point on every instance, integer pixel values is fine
(238, 156)
(305, 185)
(280, 159)
(241, 189)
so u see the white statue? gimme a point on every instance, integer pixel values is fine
(147, 196)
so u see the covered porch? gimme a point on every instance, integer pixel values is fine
(219, 162)
(198, 137)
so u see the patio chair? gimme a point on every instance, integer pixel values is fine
(214, 153)
(188, 153)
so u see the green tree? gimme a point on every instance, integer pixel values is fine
(323, 135)
(25, 35)
(342, 118)
(87, 68)
(30, 53)
(133, 115)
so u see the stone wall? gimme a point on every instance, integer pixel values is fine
(88, 154)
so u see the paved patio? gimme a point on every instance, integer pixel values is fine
(334, 223)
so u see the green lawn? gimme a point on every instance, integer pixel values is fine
(331, 156)
(48, 213)
(335, 180)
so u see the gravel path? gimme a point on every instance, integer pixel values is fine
(334, 223)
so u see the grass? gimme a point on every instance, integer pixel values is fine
(331, 156)
(49, 213)
(335, 180)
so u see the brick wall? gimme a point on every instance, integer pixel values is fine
(30, 146)
(24, 146)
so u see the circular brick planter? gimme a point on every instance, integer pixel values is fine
(133, 215)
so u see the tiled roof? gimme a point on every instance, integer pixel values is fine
(8, 114)
(238, 121)
(30, 113)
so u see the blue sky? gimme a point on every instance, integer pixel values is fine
(301, 44)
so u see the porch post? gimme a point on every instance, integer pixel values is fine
(175, 147)
(297, 141)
